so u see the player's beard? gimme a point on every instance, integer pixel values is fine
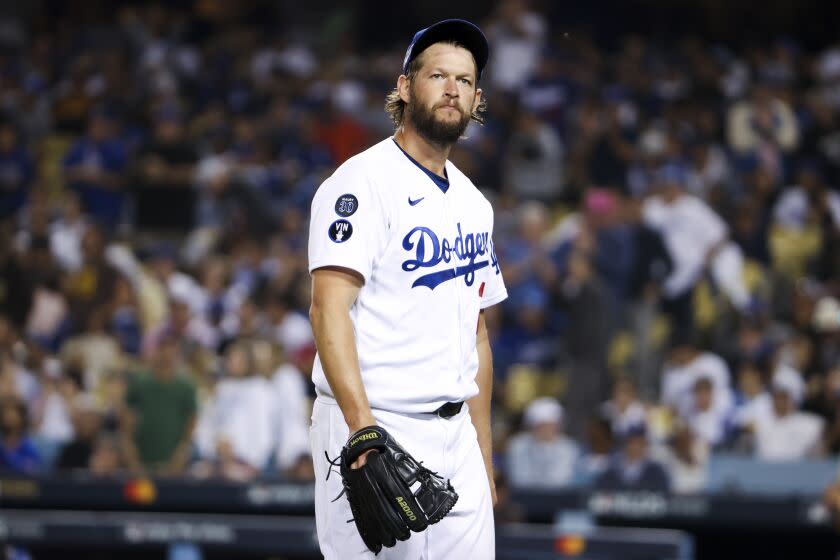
(436, 131)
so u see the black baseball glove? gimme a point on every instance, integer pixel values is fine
(384, 506)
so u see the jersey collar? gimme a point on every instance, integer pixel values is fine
(441, 182)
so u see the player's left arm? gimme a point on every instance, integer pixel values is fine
(480, 404)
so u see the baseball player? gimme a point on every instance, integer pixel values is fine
(402, 263)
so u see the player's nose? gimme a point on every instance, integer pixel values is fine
(450, 87)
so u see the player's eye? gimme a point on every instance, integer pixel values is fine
(437, 75)
(466, 81)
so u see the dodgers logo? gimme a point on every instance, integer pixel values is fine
(429, 251)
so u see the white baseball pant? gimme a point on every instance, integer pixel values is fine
(446, 446)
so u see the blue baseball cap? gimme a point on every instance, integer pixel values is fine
(459, 30)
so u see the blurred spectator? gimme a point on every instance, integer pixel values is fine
(826, 404)
(808, 203)
(528, 337)
(697, 239)
(633, 469)
(787, 434)
(92, 285)
(604, 146)
(340, 133)
(821, 137)
(190, 329)
(528, 267)
(686, 458)
(685, 366)
(601, 234)
(163, 268)
(16, 380)
(112, 399)
(548, 92)
(106, 458)
(95, 350)
(13, 309)
(67, 232)
(543, 456)
(709, 169)
(751, 228)
(825, 322)
(48, 319)
(585, 300)
(516, 34)
(287, 326)
(597, 449)
(649, 264)
(763, 126)
(248, 322)
(752, 402)
(218, 299)
(40, 305)
(290, 420)
(163, 174)
(623, 410)
(17, 171)
(53, 410)
(214, 179)
(707, 415)
(159, 419)
(124, 320)
(159, 314)
(87, 424)
(234, 437)
(534, 160)
(94, 167)
(73, 102)
(17, 450)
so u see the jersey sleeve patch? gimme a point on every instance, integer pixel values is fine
(340, 231)
(346, 205)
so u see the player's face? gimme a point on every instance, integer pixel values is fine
(443, 93)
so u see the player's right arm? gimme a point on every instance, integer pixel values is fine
(348, 232)
(334, 291)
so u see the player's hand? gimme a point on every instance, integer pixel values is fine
(355, 425)
(360, 462)
(381, 496)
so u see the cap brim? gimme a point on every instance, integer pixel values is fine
(459, 30)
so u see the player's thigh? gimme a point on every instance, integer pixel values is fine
(337, 539)
(468, 530)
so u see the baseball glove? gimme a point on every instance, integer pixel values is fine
(384, 506)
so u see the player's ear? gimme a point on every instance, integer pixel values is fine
(402, 87)
(477, 100)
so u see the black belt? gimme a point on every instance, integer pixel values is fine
(450, 409)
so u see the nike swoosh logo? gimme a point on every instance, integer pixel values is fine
(415, 202)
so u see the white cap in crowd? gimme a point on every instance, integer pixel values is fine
(544, 410)
(790, 381)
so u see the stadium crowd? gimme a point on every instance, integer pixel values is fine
(667, 222)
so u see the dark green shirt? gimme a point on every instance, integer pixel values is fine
(163, 410)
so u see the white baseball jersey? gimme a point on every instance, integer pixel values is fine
(426, 254)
